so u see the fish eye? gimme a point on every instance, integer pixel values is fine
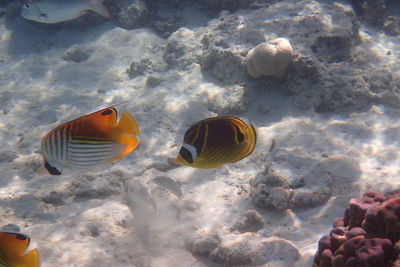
(27, 5)
(106, 112)
(20, 236)
(186, 155)
(240, 137)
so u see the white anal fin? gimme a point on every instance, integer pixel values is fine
(98, 7)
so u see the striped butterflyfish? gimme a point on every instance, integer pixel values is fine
(213, 142)
(13, 251)
(89, 141)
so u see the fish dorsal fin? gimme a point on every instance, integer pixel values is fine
(128, 125)
(102, 120)
(98, 7)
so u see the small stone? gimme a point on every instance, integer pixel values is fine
(54, 198)
(310, 197)
(153, 81)
(77, 55)
(279, 198)
(392, 25)
(250, 221)
(93, 230)
(203, 242)
(139, 68)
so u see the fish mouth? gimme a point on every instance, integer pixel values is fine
(179, 160)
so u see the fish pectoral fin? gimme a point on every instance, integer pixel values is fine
(128, 143)
(31, 259)
(98, 7)
(128, 125)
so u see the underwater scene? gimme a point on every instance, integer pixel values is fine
(184, 133)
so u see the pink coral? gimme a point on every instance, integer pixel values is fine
(365, 237)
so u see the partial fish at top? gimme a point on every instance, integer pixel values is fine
(88, 141)
(54, 11)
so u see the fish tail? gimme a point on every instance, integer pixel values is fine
(31, 259)
(129, 143)
(98, 7)
(250, 137)
(128, 125)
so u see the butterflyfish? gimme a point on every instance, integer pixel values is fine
(55, 11)
(13, 251)
(212, 142)
(89, 141)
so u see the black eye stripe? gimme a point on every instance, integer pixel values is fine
(106, 112)
(186, 155)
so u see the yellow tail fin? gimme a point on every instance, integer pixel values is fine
(31, 259)
(250, 137)
(129, 142)
(128, 125)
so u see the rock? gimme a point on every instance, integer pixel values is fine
(54, 198)
(372, 11)
(129, 13)
(182, 48)
(270, 59)
(234, 99)
(310, 197)
(392, 25)
(250, 221)
(203, 242)
(139, 68)
(77, 54)
(225, 64)
(215, 6)
(153, 81)
(253, 249)
(93, 230)
(273, 188)
(279, 198)
(303, 74)
(333, 48)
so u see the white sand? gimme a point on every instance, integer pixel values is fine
(40, 90)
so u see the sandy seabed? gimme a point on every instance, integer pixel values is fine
(50, 75)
